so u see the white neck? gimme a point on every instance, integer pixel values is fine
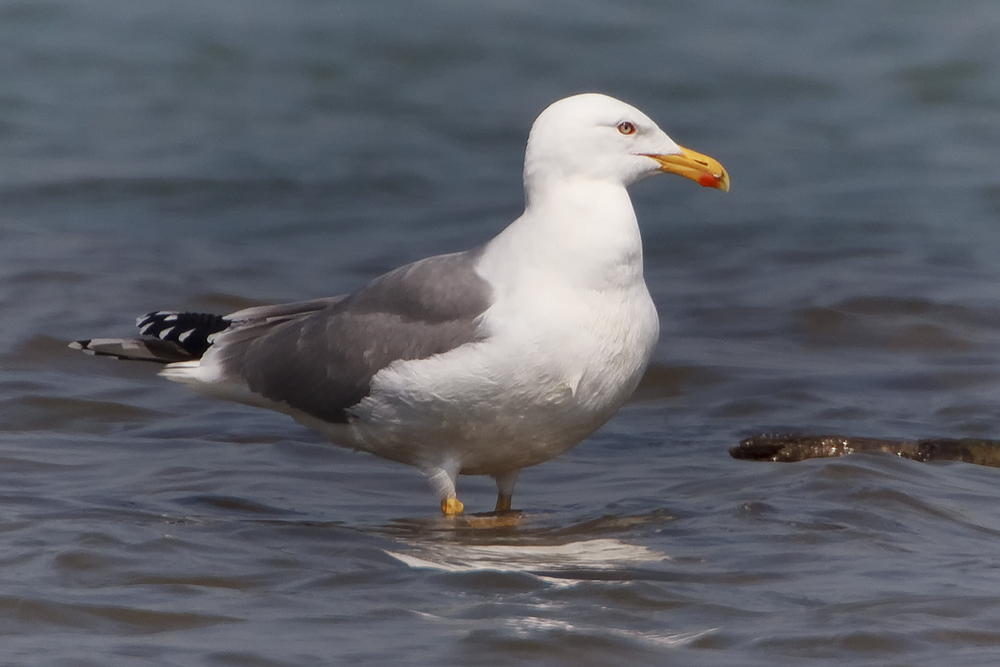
(583, 232)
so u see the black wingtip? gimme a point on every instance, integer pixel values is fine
(191, 332)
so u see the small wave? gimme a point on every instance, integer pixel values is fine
(526, 626)
(599, 554)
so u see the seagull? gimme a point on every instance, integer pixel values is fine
(481, 362)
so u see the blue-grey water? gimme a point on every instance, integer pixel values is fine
(212, 154)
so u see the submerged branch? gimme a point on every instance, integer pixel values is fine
(795, 447)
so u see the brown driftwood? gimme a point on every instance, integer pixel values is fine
(794, 447)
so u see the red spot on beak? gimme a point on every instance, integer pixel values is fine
(708, 180)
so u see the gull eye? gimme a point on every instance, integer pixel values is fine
(626, 127)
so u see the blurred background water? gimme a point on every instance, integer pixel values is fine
(212, 154)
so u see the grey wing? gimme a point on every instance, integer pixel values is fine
(322, 361)
(281, 311)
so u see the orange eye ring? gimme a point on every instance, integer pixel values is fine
(626, 127)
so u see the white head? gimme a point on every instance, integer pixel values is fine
(598, 138)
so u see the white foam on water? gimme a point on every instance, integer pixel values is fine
(599, 554)
(528, 625)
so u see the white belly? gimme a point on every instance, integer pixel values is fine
(545, 379)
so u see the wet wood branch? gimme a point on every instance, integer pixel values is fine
(798, 447)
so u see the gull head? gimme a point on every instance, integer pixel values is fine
(598, 138)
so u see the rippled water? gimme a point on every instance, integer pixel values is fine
(213, 154)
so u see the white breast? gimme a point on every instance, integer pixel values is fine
(567, 340)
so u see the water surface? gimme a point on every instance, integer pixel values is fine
(209, 155)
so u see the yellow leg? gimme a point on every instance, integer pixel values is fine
(505, 489)
(503, 502)
(452, 506)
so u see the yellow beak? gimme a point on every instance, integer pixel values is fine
(701, 168)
